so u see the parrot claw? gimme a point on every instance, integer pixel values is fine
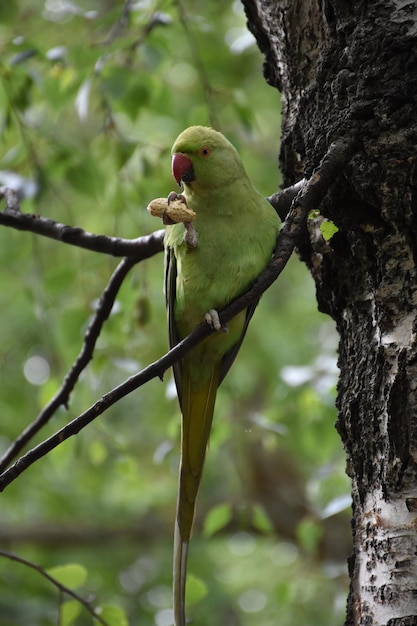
(191, 237)
(213, 320)
(175, 196)
(171, 197)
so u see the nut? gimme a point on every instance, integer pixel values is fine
(176, 211)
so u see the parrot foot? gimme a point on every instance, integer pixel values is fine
(173, 195)
(213, 320)
(190, 237)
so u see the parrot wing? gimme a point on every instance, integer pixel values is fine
(170, 297)
(230, 356)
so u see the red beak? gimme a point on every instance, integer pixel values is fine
(181, 167)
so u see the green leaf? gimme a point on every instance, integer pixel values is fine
(328, 229)
(217, 518)
(71, 575)
(196, 589)
(20, 88)
(126, 91)
(309, 533)
(69, 612)
(261, 521)
(114, 615)
(284, 591)
(143, 310)
(84, 175)
(97, 452)
(8, 11)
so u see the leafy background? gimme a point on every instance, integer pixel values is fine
(92, 96)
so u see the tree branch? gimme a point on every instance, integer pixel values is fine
(76, 236)
(69, 592)
(307, 198)
(85, 355)
(139, 248)
(281, 200)
(154, 370)
(199, 64)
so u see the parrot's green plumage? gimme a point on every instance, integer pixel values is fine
(236, 234)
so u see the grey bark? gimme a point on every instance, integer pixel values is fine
(350, 69)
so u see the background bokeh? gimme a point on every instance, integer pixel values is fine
(92, 95)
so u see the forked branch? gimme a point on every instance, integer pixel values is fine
(85, 355)
(62, 588)
(307, 198)
(140, 248)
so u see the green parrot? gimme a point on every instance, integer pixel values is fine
(208, 264)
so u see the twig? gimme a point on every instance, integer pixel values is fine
(281, 200)
(158, 18)
(308, 198)
(91, 335)
(154, 370)
(139, 248)
(62, 588)
(198, 62)
(120, 24)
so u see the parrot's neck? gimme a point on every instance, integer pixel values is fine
(216, 200)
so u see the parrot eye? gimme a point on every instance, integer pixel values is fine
(204, 152)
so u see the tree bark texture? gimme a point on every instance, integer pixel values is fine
(349, 69)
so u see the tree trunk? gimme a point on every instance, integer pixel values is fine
(350, 69)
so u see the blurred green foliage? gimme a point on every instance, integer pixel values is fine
(92, 96)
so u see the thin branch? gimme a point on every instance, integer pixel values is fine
(158, 18)
(198, 62)
(62, 588)
(281, 200)
(139, 248)
(154, 370)
(308, 198)
(91, 335)
(50, 228)
(120, 25)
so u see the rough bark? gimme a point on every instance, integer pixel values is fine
(350, 69)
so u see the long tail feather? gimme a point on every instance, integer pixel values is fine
(197, 415)
(180, 572)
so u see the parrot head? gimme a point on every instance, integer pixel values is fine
(203, 158)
